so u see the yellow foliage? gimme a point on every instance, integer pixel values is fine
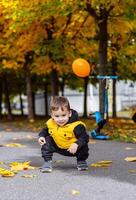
(29, 38)
(75, 192)
(6, 173)
(103, 163)
(1, 163)
(18, 166)
(130, 159)
(14, 145)
(119, 25)
(42, 65)
(10, 64)
(28, 175)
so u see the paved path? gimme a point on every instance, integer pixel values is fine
(112, 183)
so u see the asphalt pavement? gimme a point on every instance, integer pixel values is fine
(116, 182)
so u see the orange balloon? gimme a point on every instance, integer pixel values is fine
(81, 67)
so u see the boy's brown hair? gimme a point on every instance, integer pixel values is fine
(59, 102)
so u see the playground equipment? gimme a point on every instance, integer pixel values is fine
(101, 121)
(82, 69)
(96, 134)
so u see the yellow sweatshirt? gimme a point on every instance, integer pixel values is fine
(63, 136)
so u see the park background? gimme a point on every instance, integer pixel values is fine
(39, 40)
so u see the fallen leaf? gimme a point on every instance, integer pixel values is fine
(132, 170)
(128, 148)
(59, 161)
(75, 192)
(6, 173)
(8, 129)
(130, 159)
(18, 166)
(92, 142)
(28, 175)
(15, 138)
(2, 163)
(14, 145)
(102, 163)
(30, 137)
(105, 162)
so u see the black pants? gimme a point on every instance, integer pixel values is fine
(50, 147)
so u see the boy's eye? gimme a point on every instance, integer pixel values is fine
(56, 115)
(63, 115)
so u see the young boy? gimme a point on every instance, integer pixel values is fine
(64, 134)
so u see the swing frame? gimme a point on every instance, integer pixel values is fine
(101, 121)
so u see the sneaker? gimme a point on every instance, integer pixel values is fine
(82, 165)
(46, 167)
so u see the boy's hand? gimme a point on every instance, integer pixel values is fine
(73, 148)
(42, 141)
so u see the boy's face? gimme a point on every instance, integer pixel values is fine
(61, 117)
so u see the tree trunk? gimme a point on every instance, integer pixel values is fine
(27, 71)
(114, 70)
(54, 82)
(33, 99)
(86, 80)
(7, 98)
(62, 85)
(21, 104)
(114, 112)
(102, 60)
(29, 97)
(46, 99)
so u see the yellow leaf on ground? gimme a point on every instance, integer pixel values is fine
(92, 141)
(128, 148)
(6, 173)
(28, 175)
(130, 159)
(8, 129)
(30, 137)
(18, 166)
(102, 163)
(14, 145)
(105, 162)
(59, 161)
(132, 170)
(2, 163)
(15, 138)
(75, 192)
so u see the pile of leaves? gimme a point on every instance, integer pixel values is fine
(14, 168)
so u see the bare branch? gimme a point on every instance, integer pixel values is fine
(67, 23)
(79, 28)
(91, 10)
